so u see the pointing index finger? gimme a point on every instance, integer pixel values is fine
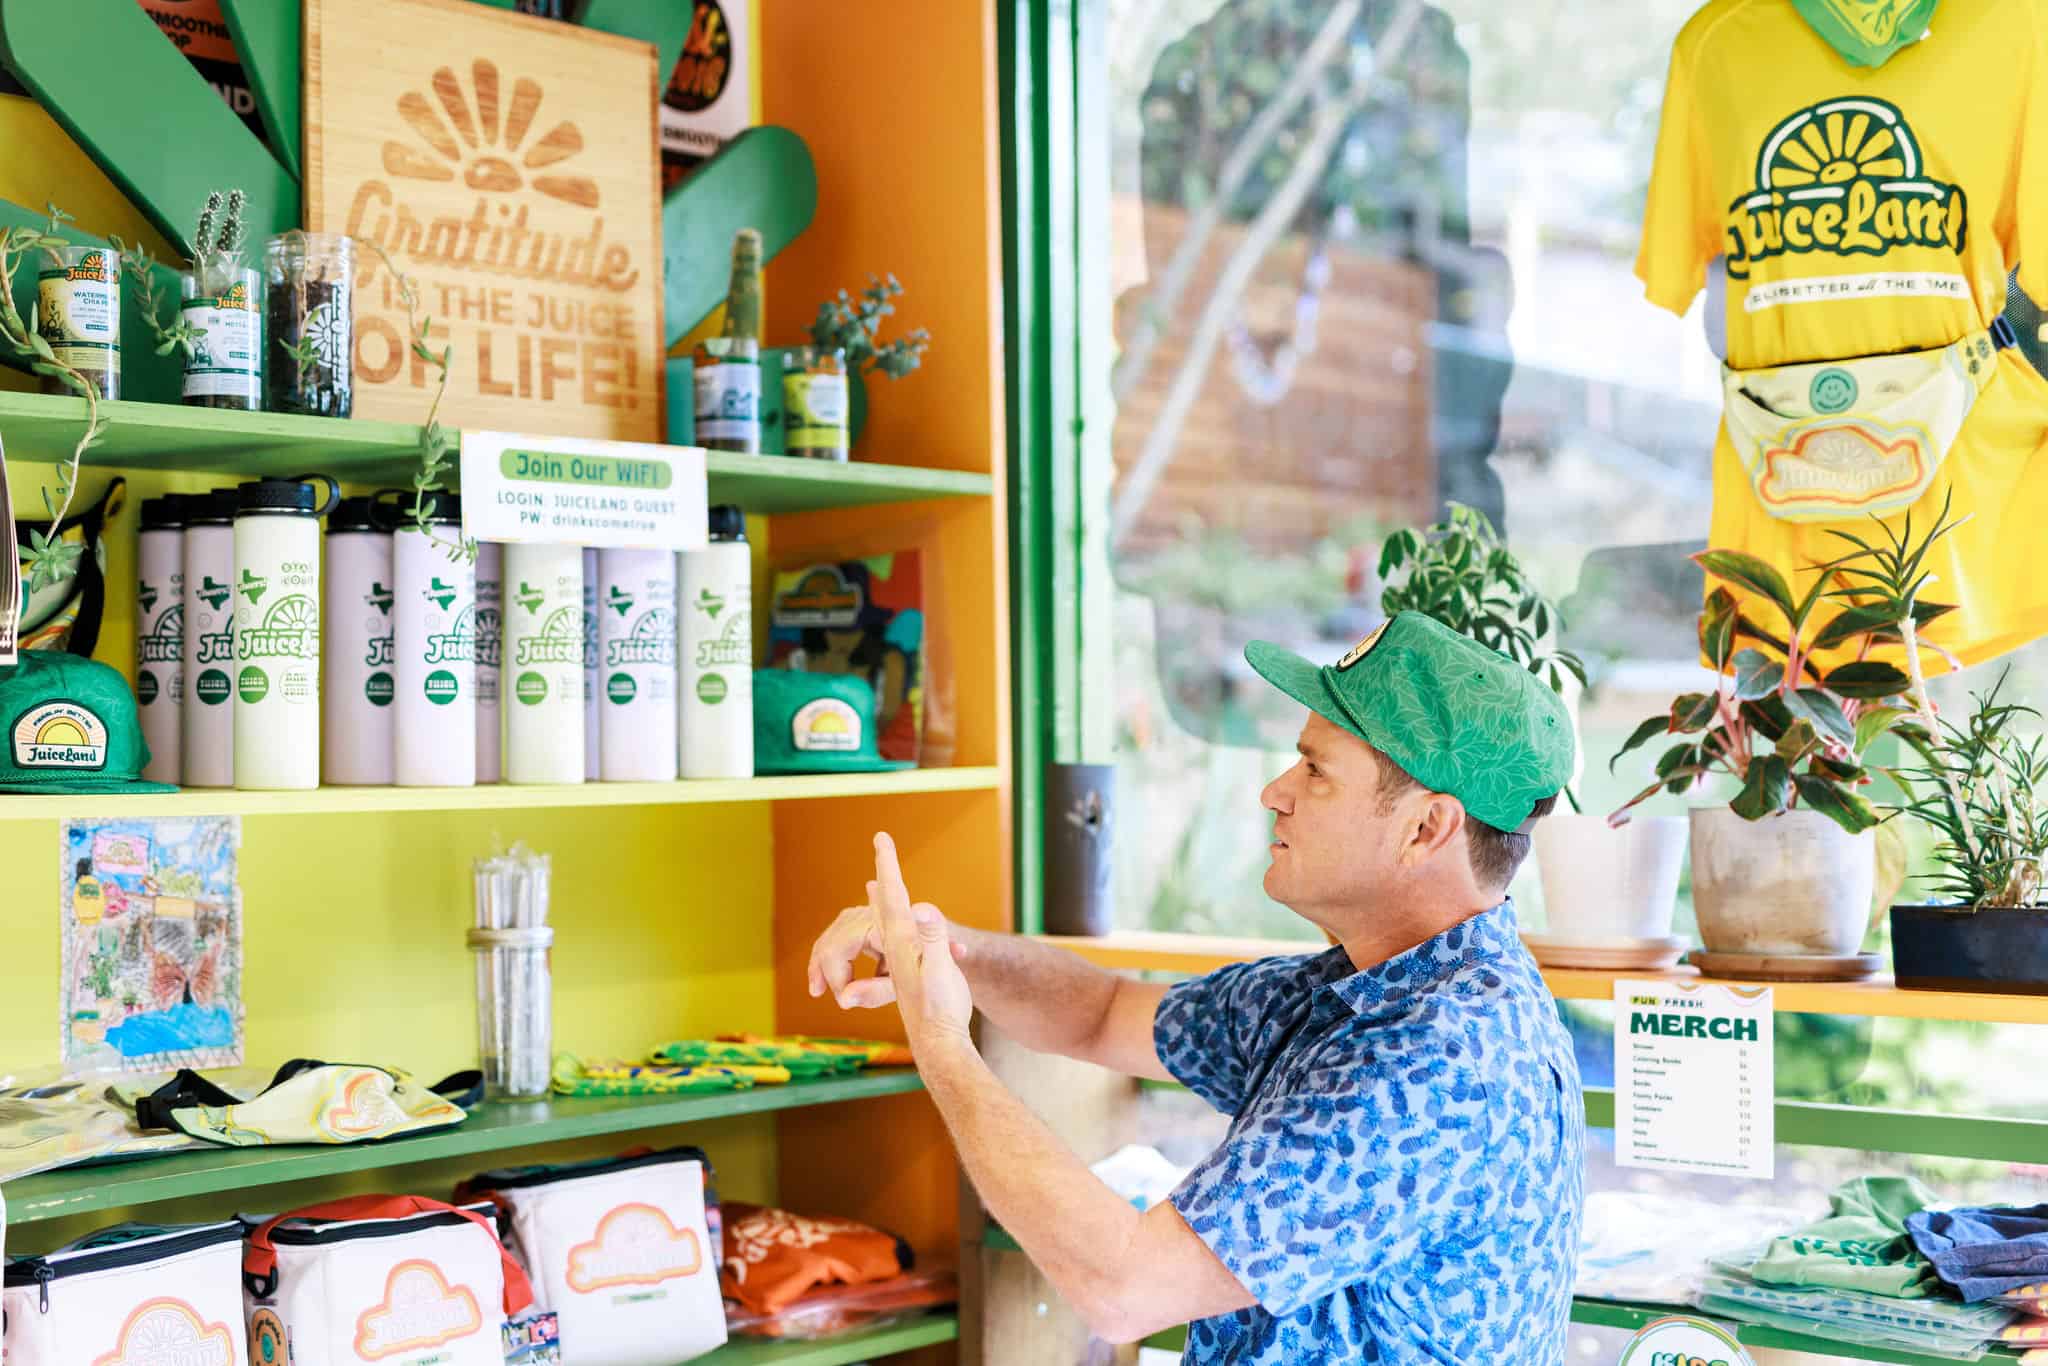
(894, 898)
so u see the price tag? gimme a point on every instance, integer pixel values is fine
(565, 490)
(1694, 1089)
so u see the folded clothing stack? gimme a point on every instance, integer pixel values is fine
(795, 1276)
(1994, 1255)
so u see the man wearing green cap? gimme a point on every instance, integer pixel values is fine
(1402, 1177)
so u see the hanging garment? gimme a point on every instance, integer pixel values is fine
(310, 1102)
(1867, 212)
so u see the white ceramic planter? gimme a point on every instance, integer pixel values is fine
(1604, 883)
(1795, 883)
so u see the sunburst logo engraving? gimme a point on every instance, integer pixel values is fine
(477, 135)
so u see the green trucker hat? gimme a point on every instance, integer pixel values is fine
(1459, 718)
(71, 727)
(816, 723)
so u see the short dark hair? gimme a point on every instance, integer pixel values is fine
(1495, 854)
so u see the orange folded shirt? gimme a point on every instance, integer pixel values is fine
(772, 1256)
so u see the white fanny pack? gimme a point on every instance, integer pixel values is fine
(1850, 438)
(622, 1250)
(397, 1279)
(132, 1295)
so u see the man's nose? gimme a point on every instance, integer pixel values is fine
(1275, 797)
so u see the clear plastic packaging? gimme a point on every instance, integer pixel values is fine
(847, 1308)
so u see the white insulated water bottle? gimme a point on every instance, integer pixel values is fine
(209, 722)
(490, 639)
(160, 635)
(542, 679)
(636, 608)
(277, 632)
(591, 720)
(715, 609)
(436, 723)
(357, 684)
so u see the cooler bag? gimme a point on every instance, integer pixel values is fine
(622, 1250)
(131, 1295)
(380, 1278)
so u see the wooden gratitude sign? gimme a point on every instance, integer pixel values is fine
(508, 165)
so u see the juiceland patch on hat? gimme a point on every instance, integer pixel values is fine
(815, 723)
(69, 726)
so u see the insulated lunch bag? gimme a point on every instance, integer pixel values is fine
(380, 1277)
(131, 1295)
(622, 1250)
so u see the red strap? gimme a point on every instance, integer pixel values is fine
(259, 1256)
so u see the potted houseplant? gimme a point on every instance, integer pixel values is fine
(1606, 889)
(1786, 870)
(1984, 791)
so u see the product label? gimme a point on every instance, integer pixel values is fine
(731, 648)
(457, 644)
(224, 361)
(60, 735)
(441, 687)
(79, 312)
(380, 688)
(290, 630)
(164, 642)
(212, 687)
(530, 688)
(170, 1332)
(634, 1245)
(728, 401)
(652, 641)
(826, 726)
(560, 641)
(711, 689)
(814, 409)
(420, 1310)
(146, 688)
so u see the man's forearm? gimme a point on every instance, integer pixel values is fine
(1074, 1228)
(1047, 999)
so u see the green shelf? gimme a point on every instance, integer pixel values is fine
(1865, 1129)
(491, 1127)
(1615, 1314)
(346, 801)
(862, 1346)
(164, 436)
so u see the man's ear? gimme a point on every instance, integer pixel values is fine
(1439, 825)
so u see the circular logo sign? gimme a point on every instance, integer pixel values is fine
(1833, 391)
(442, 687)
(254, 684)
(705, 68)
(711, 689)
(620, 688)
(212, 687)
(379, 688)
(145, 687)
(530, 688)
(266, 1338)
(1683, 1341)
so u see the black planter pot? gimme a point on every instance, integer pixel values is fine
(1938, 948)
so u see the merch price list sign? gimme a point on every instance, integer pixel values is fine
(1693, 1080)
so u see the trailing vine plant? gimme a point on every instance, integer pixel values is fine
(51, 556)
(436, 447)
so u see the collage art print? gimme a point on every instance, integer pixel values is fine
(152, 953)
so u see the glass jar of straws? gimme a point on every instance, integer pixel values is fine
(512, 943)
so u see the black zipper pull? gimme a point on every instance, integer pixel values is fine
(44, 1275)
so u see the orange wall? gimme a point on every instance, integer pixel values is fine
(898, 107)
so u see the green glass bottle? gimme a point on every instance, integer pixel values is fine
(728, 366)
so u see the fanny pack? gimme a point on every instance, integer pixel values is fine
(66, 615)
(624, 1250)
(131, 1295)
(1844, 438)
(380, 1277)
(310, 1102)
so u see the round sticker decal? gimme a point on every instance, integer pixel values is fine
(1681, 1340)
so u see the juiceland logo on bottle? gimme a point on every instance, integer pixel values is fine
(456, 645)
(732, 647)
(651, 641)
(560, 640)
(290, 630)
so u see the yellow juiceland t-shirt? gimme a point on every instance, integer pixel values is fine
(1871, 211)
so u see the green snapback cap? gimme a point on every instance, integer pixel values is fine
(1458, 717)
(816, 723)
(70, 727)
